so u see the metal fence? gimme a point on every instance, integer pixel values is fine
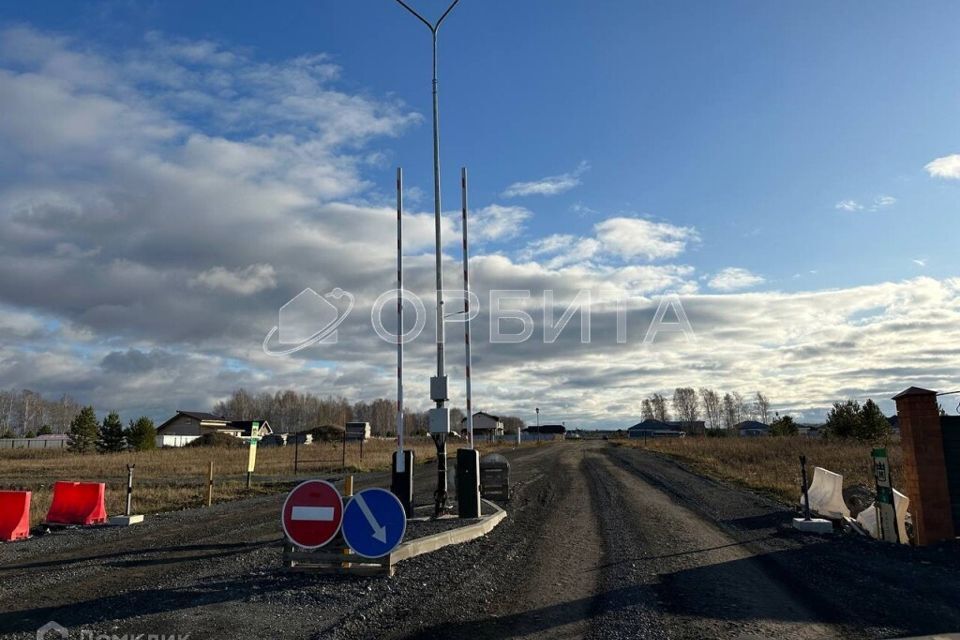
(33, 443)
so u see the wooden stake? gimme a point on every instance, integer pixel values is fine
(210, 485)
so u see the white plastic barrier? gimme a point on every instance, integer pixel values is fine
(826, 495)
(868, 517)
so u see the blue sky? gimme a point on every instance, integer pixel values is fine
(778, 153)
(749, 120)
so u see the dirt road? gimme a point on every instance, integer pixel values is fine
(601, 542)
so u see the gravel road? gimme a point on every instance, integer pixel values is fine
(601, 542)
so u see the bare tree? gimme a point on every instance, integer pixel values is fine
(646, 409)
(660, 411)
(687, 405)
(761, 406)
(712, 407)
(729, 411)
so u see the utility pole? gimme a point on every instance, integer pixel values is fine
(439, 415)
(538, 426)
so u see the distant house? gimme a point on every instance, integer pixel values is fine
(544, 432)
(199, 423)
(752, 428)
(651, 428)
(486, 426)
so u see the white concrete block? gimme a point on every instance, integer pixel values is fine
(813, 525)
(826, 494)
(124, 521)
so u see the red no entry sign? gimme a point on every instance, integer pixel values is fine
(312, 514)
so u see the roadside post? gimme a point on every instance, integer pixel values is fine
(130, 488)
(808, 524)
(806, 488)
(252, 453)
(210, 485)
(128, 518)
(296, 453)
(886, 509)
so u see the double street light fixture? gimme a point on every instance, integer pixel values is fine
(439, 415)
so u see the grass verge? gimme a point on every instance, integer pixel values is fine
(772, 465)
(174, 479)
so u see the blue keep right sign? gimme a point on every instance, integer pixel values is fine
(374, 523)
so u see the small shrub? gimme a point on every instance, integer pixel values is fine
(215, 439)
(327, 433)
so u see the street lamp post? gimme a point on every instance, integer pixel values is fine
(440, 415)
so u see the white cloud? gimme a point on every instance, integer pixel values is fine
(636, 237)
(920, 262)
(879, 202)
(549, 186)
(734, 279)
(245, 281)
(848, 205)
(497, 222)
(946, 167)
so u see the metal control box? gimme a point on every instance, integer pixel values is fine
(438, 388)
(440, 420)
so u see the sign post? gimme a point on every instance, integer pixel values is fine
(252, 457)
(886, 510)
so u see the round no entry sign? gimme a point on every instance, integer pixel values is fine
(312, 514)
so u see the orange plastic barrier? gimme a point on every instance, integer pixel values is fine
(14, 515)
(77, 503)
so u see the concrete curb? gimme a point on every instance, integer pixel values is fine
(428, 544)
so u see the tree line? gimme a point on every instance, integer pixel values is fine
(290, 411)
(87, 435)
(28, 414)
(717, 412)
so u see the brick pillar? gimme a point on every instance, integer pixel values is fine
(924, 470)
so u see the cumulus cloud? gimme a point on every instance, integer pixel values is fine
(947, 167)
(549, 186)
(245, 281)
(734, 279)
(636, 237)
(497, 222)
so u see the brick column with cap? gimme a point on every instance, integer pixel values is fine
(924, 468)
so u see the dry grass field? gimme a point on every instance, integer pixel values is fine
(173, 479)
(771, 465)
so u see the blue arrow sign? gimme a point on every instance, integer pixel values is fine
(374, 523)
